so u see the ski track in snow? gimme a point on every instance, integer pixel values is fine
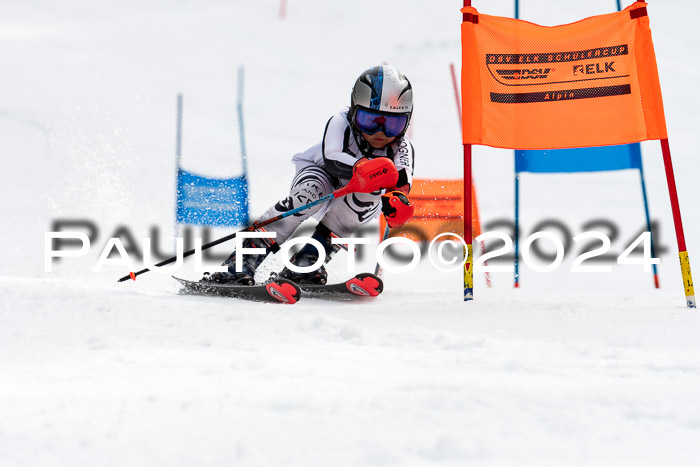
(569, 370)
(156, 378)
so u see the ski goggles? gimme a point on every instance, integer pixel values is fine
(370, 122)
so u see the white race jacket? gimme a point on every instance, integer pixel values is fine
(341, 148)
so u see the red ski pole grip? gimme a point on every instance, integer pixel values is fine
(370, 176)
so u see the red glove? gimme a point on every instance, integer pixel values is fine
(397, 208)
(370, 175)
(359, 162)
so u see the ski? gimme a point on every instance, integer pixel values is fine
(365, 285)
(276, 291)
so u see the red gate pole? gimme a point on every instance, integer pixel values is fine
(469, 263)
(283, 9)
(680, 236)
(475, 211)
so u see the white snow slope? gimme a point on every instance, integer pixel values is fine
(572, 369)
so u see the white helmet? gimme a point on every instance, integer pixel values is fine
(381, 91)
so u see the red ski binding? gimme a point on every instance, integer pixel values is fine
(364, 285)
(283, 292)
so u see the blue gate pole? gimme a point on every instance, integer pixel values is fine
(239, 106)
(651, 236)
(178, 157)
(646, 203)
(516, 235)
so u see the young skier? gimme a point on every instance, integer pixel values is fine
(373, 126)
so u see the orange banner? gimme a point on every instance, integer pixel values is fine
(589, 83)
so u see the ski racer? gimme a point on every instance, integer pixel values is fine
(373, 126)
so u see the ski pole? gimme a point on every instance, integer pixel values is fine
(378, 269)
(379, 173)
(221, 240)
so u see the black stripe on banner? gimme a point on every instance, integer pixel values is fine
(555, 96)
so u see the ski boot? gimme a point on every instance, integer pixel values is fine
(246, 275)
(308, 256)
